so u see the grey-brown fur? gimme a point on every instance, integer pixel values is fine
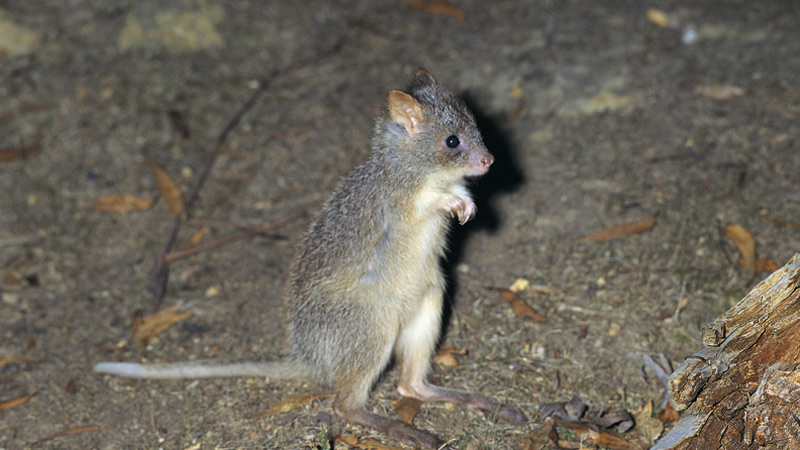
(366, 283)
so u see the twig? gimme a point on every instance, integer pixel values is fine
(68, 432)
(662, 371)
(5, 117)
(159, 287)
(174, 256)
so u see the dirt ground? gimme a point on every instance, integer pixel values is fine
(598, 113)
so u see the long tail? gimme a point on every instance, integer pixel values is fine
(282, 369)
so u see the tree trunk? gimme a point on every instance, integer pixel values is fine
(742, 390)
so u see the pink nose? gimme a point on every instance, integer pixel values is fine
(486, 161)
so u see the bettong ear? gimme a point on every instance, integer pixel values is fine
(423, 78)
(405, 111)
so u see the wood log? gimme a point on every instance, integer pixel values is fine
(742, 390)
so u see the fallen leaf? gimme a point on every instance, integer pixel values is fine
(621, 419)
(602, 438)
(570, 411)
(24, 152)
(121, 204)
(718, 92)
(649, 427)
(746, 244)
(148, 327)
(766, 265)
(406, 409)
(518, 305)
(365, 443)
(16, 358)
(14, 402)
(172, 195)
(669, 414)
(609, 439)
(68, 432)
(348, 440)
(658, 17)
(537, 439)
(445, 356)
(437, 7)
(291, 402)
(626, 229)
(196, 237)
(762, 265)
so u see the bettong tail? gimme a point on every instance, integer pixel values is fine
(202, 369)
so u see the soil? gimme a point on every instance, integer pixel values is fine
(599, 113)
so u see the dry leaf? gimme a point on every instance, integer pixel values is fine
(766, 265)
(518, 305)
(196, 237)
(626, 229)
(348, 440)
(406, 409)
(75, 430)
(718, 92)
(669, 414)
(121, 204)
(602, 438)
(649, 427)
(14, 402)
(762, 265)
(169, 190)
(291, 402)
(609, 439)
(16, 358)
(364, 444)
(537, 439)
(148, 327)
(24, 152)
(445, 356)
(746, 244)
(437, 7)
(658, 17)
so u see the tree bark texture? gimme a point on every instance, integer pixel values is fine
(742, 390)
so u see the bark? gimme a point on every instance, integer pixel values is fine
(742, 390)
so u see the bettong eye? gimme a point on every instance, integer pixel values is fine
(452, 141)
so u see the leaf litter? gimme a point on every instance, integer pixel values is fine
(169, 189)
(122, 203)
(445, 356)
(518, 305)
(147, 327)
(291, 402)
(620, 231)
